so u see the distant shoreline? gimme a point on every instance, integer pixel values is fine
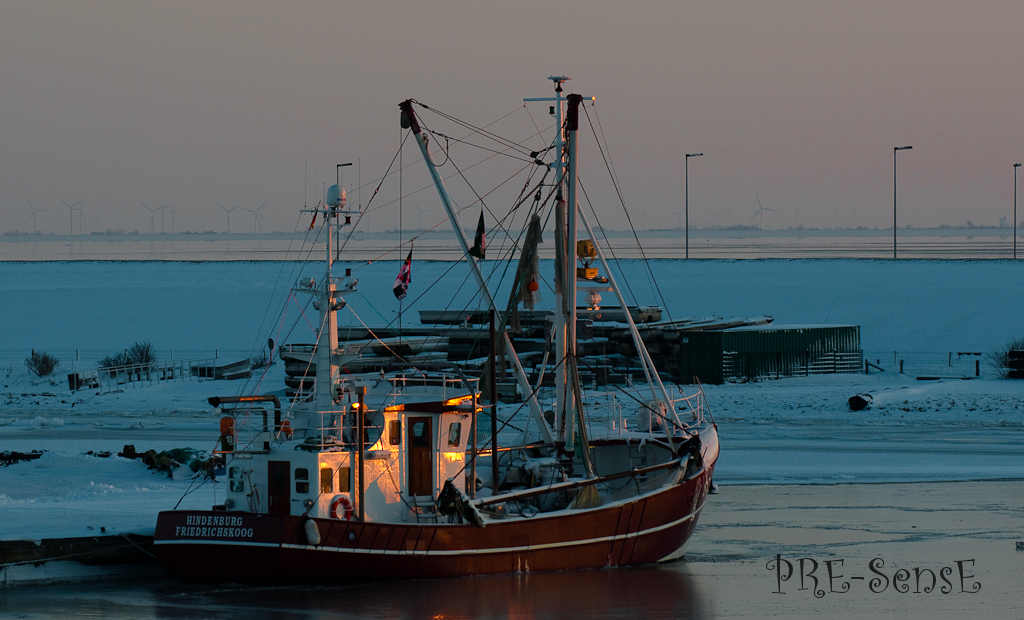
(980, 243)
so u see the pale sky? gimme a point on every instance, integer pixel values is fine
(195, 104)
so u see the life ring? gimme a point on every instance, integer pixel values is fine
(346, 507)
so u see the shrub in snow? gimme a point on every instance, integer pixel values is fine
(1001, 357)
(261, 361)
(42, 364)
(140, 353)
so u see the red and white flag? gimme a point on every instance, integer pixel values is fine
(404, 277)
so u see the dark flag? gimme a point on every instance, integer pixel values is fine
(404, 277)
(480, 241)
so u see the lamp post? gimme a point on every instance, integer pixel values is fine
(897, 148)
(1015, 166)
(687, 175)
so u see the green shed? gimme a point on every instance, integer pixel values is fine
(766, 352)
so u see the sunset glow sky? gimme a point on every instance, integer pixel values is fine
(199, 103)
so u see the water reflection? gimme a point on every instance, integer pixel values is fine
(645, 592)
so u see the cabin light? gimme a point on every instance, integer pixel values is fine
(228, 503)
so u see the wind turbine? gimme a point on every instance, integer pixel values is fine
(152, 216)
(71, 215)
(257, 217)
(32, 218)
(170, 210)
(228, 211)
(419, 215)
(760, 210)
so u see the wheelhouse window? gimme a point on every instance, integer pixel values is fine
(301, 480)
(237, 485)
(420, 438)
(344, 476)
(326, 480)
(455, 434)
(395, 432)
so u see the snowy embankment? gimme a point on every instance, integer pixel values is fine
(791, 430)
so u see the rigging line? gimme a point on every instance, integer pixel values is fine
(634, 398)
(277, 287)
(509, 418)
(480, 130)
(302, 315)
(615, 174)
(366, 209)
(480, 198)
(608, 244)
(430, 185)
(509, 144)
(532, 120)
(500, 224)
(448, 138)
(622, 202)
(458, 212)
(298, 268)
(375, 337)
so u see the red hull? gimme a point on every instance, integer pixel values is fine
(221, 546)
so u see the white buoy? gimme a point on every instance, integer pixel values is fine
(312, 532)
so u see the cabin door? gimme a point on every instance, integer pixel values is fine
(278, 488)
(421, 469)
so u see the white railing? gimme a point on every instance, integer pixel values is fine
(114, 378)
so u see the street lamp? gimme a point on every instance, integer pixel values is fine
(1015, 166)
(897, 148)
(687, 166)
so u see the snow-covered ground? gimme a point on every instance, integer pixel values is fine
(790, 430)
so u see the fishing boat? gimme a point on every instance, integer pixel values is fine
(385, 475)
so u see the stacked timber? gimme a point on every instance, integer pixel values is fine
(447, 338)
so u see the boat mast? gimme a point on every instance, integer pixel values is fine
(409, 121)
(560, 294)
(572, 126)
(326, 343)
(329, 301)
(573, 404)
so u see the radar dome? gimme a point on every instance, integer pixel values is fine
(336, 196)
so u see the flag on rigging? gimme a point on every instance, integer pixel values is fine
(480, 241)
(404, 277)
